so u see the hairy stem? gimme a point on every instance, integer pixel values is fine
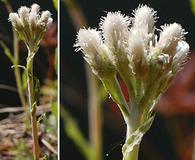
(32, 104)
(133, 155)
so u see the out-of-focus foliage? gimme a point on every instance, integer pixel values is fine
(55, 3)
(7, 51)
(22, 150)
(193, 6)
(73, 131)
(4, 1)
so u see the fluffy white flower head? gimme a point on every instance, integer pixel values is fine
(89, 42)
(181, 55)
(24, 13)
(45, 19)
(96, 53)
(16, 21)
(115, 28)
(35, 8)
(31, 24)
(137, 47)
(169, 37)
(143, 22)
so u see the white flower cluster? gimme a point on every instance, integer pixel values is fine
(128, 46)
(30, 24)
(122, 39)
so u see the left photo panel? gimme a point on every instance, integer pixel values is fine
(29, 80)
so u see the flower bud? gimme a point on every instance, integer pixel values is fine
(16, 21)
(98, 56)
(45, 17)
(182, 51)
(143, 22)
(137, 56)
(89, 42)
(115, 28)
(34, 16)
(163, 59)
(35, 8)
(24, 13)
(169, 38)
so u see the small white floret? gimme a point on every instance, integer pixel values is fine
(143, 22)
(35, 8)
(24, 13)
(15, 20)
(169, 37)
(88, 41)
(181, 55)
(115, 28)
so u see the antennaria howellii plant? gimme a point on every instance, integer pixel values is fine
(146, 63)
(30, 26)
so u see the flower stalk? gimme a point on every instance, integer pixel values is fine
(31, 26)
(146, 63)
(33, 105)
(133, 155)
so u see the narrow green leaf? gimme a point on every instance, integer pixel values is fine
(18, 66)
(33, 107)
(102, 93)
(73, 131)
(41, 118)
(112, 86)
(7, 52)
(45, 157)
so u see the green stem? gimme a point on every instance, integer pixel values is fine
(32, 104)
(126, 75)
(133, 155)
(113, 87)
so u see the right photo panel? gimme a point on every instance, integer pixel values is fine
(127, 80)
